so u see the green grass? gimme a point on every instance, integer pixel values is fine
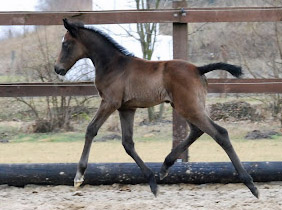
(79, 136)
(48, 137)
(74, 137)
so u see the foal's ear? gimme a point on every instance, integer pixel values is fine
(71, 27)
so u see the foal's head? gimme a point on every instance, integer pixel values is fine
(72, 49)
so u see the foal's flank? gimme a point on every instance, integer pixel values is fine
(126, 83)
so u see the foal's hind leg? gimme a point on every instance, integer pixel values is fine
(220, 135)
(104, 111)
(195, 133)
(126, 119)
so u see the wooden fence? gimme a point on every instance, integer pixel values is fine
(178, 17)
(89, 89)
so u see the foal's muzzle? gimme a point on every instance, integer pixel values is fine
(60, 71)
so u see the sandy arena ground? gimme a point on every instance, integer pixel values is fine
(181, 196)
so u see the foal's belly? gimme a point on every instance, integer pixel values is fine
(145, 98)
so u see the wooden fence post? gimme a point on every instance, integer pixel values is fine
(180, 51)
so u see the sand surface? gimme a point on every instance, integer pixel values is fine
(177, 196)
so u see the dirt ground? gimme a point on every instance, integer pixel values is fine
(127, 197)
(150, 151)
(180, 196)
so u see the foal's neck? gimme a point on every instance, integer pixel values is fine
(101, 52)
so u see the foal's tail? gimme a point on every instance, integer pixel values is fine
(236, 71)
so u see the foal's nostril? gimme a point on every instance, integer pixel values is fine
(60, 71)
(56, 69)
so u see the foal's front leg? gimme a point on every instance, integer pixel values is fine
(104, 111)
(126, 119)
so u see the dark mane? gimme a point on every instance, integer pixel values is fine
(109, 39)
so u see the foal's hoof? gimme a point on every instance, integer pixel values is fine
(155, 191)
(163, 173)
(154, 188)
(78, 182)
(153, 184)
(255, 191)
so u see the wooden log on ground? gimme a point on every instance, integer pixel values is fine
(129, 173)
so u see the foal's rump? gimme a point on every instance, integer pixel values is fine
(183, 74)
(187, 87)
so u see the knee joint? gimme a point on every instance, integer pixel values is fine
(90, 132)
(223, 132)
(222, 139)
(128, 146)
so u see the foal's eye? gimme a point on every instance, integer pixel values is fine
(65, 44)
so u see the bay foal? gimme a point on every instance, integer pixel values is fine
(126, 83)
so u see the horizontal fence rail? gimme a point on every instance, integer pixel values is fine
(47, 89)
(245, 85)
(88, 88)
(191, 15)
